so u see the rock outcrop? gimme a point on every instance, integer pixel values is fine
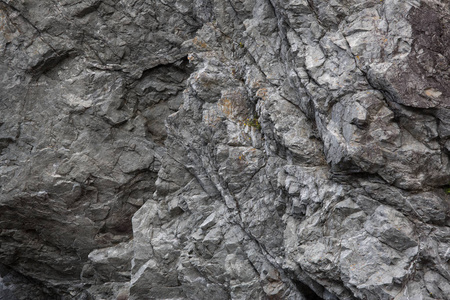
(240, 149)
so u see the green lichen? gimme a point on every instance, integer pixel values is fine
(253, 122)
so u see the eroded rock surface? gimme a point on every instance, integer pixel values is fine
(241, 149)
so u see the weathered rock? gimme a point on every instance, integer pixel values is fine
(14, 286)
(242, 149)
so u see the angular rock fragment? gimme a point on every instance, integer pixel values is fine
(242, 149)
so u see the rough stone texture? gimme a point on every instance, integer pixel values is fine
(239, 149)
(14, 286)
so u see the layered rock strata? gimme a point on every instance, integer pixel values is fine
(239, 149)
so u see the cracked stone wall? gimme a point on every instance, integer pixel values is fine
(238, 149)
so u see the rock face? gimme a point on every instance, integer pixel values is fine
(209, 149)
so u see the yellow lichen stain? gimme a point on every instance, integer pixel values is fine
(6, 27)
(199, 43)
(233, 104)
(226, 106)
(433, 93)
(262, 93)
(242, 159)
(256, 84)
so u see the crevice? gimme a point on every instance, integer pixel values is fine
(308, 109)
(28, 22)
(51, 60)
(13, 284)
(192, 18)
(5, 142)
(87, 10)
(234, 10)
(313, 9)
(306, 290)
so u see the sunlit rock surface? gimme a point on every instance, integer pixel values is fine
(241, 149)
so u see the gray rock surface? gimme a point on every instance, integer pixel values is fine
(240, 149)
